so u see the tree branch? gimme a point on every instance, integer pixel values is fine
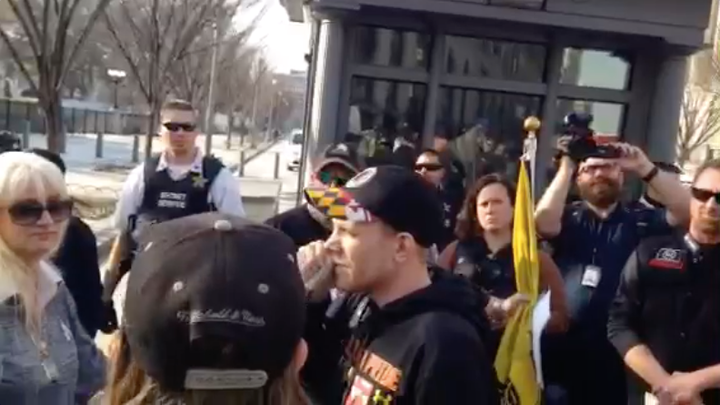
(18, 61)
(94, 17)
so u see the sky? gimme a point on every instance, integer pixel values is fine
(285, 42)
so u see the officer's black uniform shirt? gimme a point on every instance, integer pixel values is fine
(669, 300)
(586, 239)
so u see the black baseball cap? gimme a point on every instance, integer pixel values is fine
(213, 302)
(395, 195)
(341, 154)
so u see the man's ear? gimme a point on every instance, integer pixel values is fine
(405, 246)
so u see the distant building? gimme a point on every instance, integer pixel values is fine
(477, 68)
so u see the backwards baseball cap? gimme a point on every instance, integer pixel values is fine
(214, 302)
(394, 195)
(340, 154)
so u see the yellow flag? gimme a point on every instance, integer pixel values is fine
(513, 363)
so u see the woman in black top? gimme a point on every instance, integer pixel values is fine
(483, 251)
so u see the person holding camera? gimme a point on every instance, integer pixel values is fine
(592, 239)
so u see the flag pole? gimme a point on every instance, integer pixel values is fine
(531, 125)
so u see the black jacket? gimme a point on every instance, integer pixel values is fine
(668, 300)
(425, 348)
(299, 225)
(77, 260)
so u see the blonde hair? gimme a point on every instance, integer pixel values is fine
(20, 171)
(128, 384)
(125, 379)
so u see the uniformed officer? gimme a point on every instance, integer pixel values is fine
(665, 319)
(592, 239)
(434, 170)
(178, 182)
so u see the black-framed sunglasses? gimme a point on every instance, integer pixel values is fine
(177, 126)
(431, 167)
(28, 213)
(704, 195)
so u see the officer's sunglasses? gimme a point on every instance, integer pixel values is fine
(177, 126)
(329, 178)
(704, 195)
(29, 213)
(431, 167)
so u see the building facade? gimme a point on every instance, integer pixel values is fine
(475, 69)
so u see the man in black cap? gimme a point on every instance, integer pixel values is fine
(304, 224)
(214, 312)
(411, 335)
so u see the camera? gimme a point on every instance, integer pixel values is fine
(583, 143)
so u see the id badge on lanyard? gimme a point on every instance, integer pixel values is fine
(591, 276)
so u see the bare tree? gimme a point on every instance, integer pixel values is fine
(154, 35)
(699, 121)
(54, 32)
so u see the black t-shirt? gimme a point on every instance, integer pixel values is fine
(77, 260)
(299, 225)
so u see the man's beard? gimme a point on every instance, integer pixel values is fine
(599, 196)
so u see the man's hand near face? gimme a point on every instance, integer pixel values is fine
(316, 269)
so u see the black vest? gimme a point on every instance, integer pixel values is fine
(165, 199)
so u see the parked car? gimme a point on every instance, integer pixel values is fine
(294, 150)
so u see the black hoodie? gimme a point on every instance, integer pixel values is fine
(424, 348)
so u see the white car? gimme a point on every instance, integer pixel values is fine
(294, 150)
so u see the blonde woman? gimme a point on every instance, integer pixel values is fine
(46, 357)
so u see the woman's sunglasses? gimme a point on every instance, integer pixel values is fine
(704, 195)
(177, 126)
(28, 213)
(431, 167)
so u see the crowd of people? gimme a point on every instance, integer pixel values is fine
(389, 285)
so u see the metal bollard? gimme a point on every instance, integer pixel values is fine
(99, 145)
(136, 148)
(277, 165)
(241, 168)
(26, 136)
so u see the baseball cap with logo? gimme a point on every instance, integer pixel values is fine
(214, 302)
(340, 154)
(394, 195)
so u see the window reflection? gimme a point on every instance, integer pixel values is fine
(388, 47)
(593, 68)
(495, 59)
(489, 127)
(382, 112)
(608, 119)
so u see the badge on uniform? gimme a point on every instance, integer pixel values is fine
(668, 258)
(198, 181)
(591, 276)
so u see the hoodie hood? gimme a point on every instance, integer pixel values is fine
(447, 293)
